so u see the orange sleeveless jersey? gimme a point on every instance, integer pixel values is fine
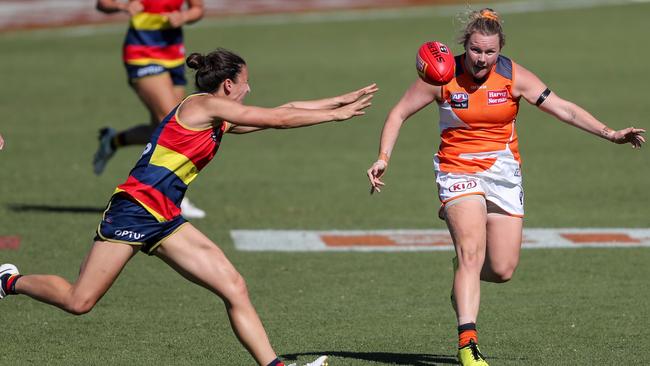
(477, 121)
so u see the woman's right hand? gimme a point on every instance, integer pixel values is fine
(375, 173)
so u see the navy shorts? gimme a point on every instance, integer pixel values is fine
(126, 221)
(177, 73)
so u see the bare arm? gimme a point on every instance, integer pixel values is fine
(530, 87)
(201, 111)
(113, 6)
(334, 102)
(193, 13)
(418, 96)
(2, 142)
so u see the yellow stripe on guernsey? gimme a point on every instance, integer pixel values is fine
(176, 162)
(170, 64)
(150, 21)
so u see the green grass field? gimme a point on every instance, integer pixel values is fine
(564, 307)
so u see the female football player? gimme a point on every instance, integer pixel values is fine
(154, 57)
(144, 213)
(477, 165)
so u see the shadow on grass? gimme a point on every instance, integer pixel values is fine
(412, 359)
(53, 208)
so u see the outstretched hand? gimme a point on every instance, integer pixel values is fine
(375, 173)
(353, 109)
(630, 135)
(355, 95)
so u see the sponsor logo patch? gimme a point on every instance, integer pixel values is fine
(128, 234)
(459, 100)
(497, 96)
(463, 186)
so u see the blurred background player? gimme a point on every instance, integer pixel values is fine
(144, 213)
(154, 57)
(477, 166)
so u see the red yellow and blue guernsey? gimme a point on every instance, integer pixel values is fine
(152, 46)
(169, 163)
(477, 120)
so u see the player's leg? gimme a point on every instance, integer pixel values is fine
(99, 270)
(467, 219)
(159, 95)
(504, 235)
(199, 260)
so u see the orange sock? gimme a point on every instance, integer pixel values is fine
(467, 332)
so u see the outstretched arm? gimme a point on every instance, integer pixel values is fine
(531, 88)
(418, 95)
(334, 102)
(202, 111)
(323, 104)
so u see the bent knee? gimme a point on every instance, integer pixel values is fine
(81, 306)
(236, 289)
(503, 273)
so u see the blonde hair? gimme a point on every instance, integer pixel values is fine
(485, 21)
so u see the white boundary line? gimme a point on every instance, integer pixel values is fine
(426, 240)
(338, 16)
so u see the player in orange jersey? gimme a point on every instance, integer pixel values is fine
(477, 165)
(144, 214)
(154, 57)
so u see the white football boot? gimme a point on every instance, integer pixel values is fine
(6, 269)
(190, 211)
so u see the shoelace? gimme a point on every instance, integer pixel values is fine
(475, 352)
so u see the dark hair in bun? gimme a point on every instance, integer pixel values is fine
(214, 68)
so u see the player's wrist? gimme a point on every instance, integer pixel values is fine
(383, 157)
(607, 133)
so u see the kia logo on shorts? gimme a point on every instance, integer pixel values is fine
(463, 186)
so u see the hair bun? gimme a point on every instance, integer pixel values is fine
(490, 14)
(195, 61)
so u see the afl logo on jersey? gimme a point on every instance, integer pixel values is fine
(459, 100)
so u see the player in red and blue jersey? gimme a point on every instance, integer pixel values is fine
(154, 58)
(144, 214)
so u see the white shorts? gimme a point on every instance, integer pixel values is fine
(500, 185)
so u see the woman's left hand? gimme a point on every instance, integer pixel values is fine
(629, 135)
(352, 96)
(176, 19)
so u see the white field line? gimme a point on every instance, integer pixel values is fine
(426, 240)
(337, 16)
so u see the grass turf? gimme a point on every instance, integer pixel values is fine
(564, 307)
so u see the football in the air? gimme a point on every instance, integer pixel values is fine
(435, 63)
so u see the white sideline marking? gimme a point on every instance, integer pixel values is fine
(426, 240)
(342, 15)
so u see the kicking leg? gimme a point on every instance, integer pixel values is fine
(98, 272)
(199, 260)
